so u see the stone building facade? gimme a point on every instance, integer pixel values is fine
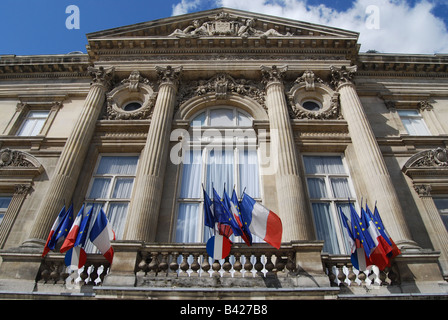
(308, 122)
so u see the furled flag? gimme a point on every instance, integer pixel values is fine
(377, 253)
(230, 216)
(360, 260)
(379, 223)
(66, 225)
(73, 233)
(76, 256)
(246, 235)
(358, 256)
(209, 216)
(220, 216)
(51, 240)
(101, 234)
(218, 247)
(262, 222)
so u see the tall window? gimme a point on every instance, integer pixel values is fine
(413, 122)
(214, 163)
(33, 123)
(442, 206)
(4, 203)
(329, 188)
(111, 188)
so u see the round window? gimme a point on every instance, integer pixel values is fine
(311, 105)
(132, 106)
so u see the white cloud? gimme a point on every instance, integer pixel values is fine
(401, 28)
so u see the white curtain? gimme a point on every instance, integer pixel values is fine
(324, 164)
(248, 171)
(126, 165)
(325, 227)
(220, 171)
(317, 188)
(191, 176)
(188, 223)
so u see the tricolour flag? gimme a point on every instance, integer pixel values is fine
(229, 215)
(101, 234)
(73, 233)
(262, 222)
(376, 252)
(218, 247)
(76, 257)
(246, 235)
(221, 216)
(51, 240)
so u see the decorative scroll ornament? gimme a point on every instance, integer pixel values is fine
(431, 158)
(225, 24)
(14, 158)
(342, 75)
(222, 85)
(101, 76)
(309, 79)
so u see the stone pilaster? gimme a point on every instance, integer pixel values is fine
(143, 213)
(67, 171)
(370, 159)
(293, 207)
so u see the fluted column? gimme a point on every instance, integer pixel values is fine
(370, 159)
(141, 223)
(67, 171)
(292, 202)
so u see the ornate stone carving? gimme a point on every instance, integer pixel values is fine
(222, 84)
(425, 105)
(101, 76)
(169, 74)
(331, 112)
(135, 88)
(274, 73)
(13, 158)
(309, 79)
(423, 190)
(342, 75)
(432, 158)
(225, 24)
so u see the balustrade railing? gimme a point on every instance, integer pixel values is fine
(54, 271)
(340, 271)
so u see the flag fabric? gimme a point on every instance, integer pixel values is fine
(101, 234)
(218, 247)
(379, 223)
(66, 225)
(230, 216)
(209, 217)
(378, 253)
(221, 218)
(73, 233)
(75, 258)
(51, 240)
(361, 261)
(263, 222)
(245, 232)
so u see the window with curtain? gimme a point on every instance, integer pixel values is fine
(111, 189)
(4, 203)
(413, 122)
(33, 123)
(214, 165)
(329, 189)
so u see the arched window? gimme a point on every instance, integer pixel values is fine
(222, 153)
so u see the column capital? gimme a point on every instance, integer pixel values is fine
(101, 76)
(273, 74)
(342, 75)
(169, 75)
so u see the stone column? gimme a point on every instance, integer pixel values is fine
(143, 213)
(67, 171)
(293, 207)
(373, 167)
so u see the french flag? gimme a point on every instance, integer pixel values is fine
(218, 247)
(70, 240)
(101, 234)
(75, 258)
(262, 222)
(51, 240)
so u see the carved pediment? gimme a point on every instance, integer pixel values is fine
(22, 163)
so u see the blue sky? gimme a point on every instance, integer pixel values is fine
(29, 27)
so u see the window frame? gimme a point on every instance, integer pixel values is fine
(417, 116)
(28, 118)
(205, 147)
(331, 198)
